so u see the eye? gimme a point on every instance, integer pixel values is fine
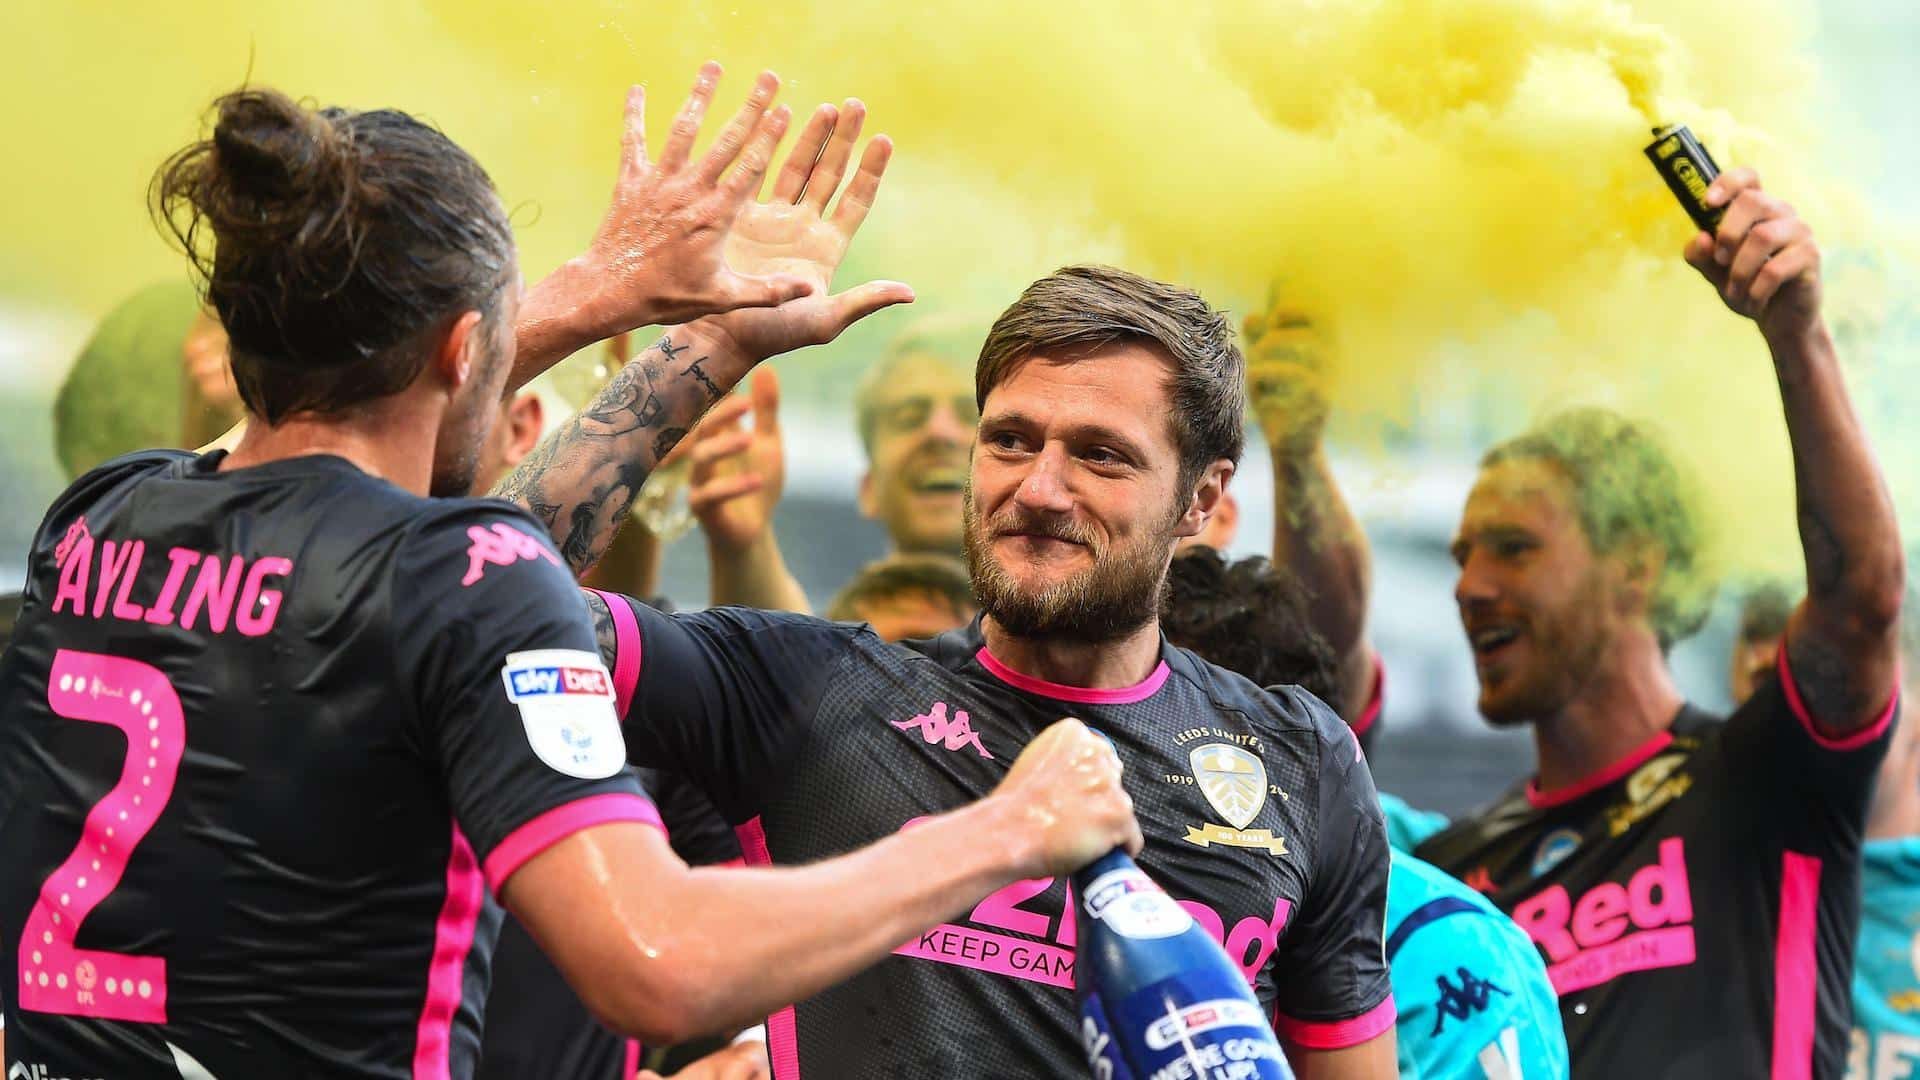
(1513, 547)
(1003, 440)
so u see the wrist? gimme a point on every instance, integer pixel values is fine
(1016, 850)
(556, 319)
(1798, 338)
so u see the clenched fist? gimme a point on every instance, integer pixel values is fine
(1066, 784)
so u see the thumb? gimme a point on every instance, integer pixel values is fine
(743, 291)
(765, 391)
(863, 300)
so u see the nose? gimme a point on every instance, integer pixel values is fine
(1476, 586)
(946, 426)
(1044, 488)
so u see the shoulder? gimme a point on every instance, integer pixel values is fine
(1286, 711)
(109, 476)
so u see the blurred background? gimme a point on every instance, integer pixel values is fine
(1453, 190)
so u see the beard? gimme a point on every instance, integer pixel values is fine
(1117, 595)
(1565, 651)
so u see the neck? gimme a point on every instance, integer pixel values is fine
(1629, 699)
(1106, 665)
(384, 440)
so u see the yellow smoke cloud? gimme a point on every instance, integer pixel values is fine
(1455, 186)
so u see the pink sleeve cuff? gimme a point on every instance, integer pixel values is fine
(1316, 1035)
(561, 822)
(1851, 741)
(626, 651)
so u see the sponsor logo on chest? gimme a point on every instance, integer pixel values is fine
(1652, 787)
(1233, 780)
(1615, 929)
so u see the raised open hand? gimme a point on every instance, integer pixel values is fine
(791, 234)
(659, 254)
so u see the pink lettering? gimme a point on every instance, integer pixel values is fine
(585, 680)
(183, 560)
(1669, 876)
(1260, 935)
(1644, 951)
(1601, 915)
(215, 591)
(1001, 909)
(1208, 919)
(1544, 918)
(500, 545)
(121, 608)
(254, 623)
(113, 563)
(75, 558)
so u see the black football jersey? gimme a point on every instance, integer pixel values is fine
(1696, 903)
(816, 738)
(268, 738)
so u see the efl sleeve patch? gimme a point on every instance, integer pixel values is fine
(565, 698)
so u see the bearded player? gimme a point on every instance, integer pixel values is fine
(275, 721)
(1661, 857)
(1110, 424)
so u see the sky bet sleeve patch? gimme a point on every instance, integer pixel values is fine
(565, 698)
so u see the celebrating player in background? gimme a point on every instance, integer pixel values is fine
(1886, 974)
(1111, 422)
(1472, 994)
(273, 774)
(1661, 858)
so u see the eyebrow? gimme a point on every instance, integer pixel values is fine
(1076, 433)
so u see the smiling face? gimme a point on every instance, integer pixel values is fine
(1073, 503)
(922, 423)
(1537, 603)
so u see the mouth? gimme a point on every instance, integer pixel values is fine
(941, 480)
(1491, 642)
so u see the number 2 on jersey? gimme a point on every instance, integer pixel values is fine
(56, 976)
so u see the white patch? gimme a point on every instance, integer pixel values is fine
(565, 698)
(1233, 780)
(1128, 901)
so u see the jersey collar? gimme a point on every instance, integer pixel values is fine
(1080, 695)
(1542, 800)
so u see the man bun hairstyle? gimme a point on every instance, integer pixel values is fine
(328, 242)
(1078, 308)
(1626, 490)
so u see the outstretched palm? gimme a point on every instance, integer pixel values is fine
(792, 235)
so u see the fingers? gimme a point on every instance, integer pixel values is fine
(1800, 260)
(792, 181)
(744, 183)
(633, 136)
(1763, 242)
(863, 300)
(706, 496)
(718, 446)
(765, 393)
(825, 178)
(739, 132)
(686, 126)
(1747, 209)
(863, 188)
(1728, 185)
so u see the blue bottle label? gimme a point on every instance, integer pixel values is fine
(1192, 1026)
(1096, 1038)
(1134, 907)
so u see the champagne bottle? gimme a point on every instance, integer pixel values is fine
(1159, 999)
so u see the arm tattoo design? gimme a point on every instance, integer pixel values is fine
(603, 632)
(583, 478)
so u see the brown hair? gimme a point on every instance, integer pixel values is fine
(329, 241)
(1087, 307)
(937, 576)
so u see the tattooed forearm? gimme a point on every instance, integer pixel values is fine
(604, 634)
(584, 477)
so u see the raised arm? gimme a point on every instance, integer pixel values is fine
(1315, 535)
(664, 952)
(581, 480)
(1841, 641)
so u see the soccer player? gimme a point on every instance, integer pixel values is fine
(274, 721)
(1660, 857)
(1886, 975)
(907, 596)
(1472, 994)
(1110, 424)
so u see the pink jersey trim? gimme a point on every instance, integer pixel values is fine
(783, 1039)
(561, 822)
(1852, 741)
(1083, 695)
(627, 650)
(630, 1064)
(1315, 1035)
(1540, 800)
(446, 974)
(1796, 971)
(1375, 699)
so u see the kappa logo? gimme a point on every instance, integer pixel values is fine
(501, 545)
(938, 730)
(1234, 780)
(1459, 1001)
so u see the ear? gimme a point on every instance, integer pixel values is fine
(456, 357)
(526, 420)
(1637, 569)
(869, 499)
(1207, 497)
